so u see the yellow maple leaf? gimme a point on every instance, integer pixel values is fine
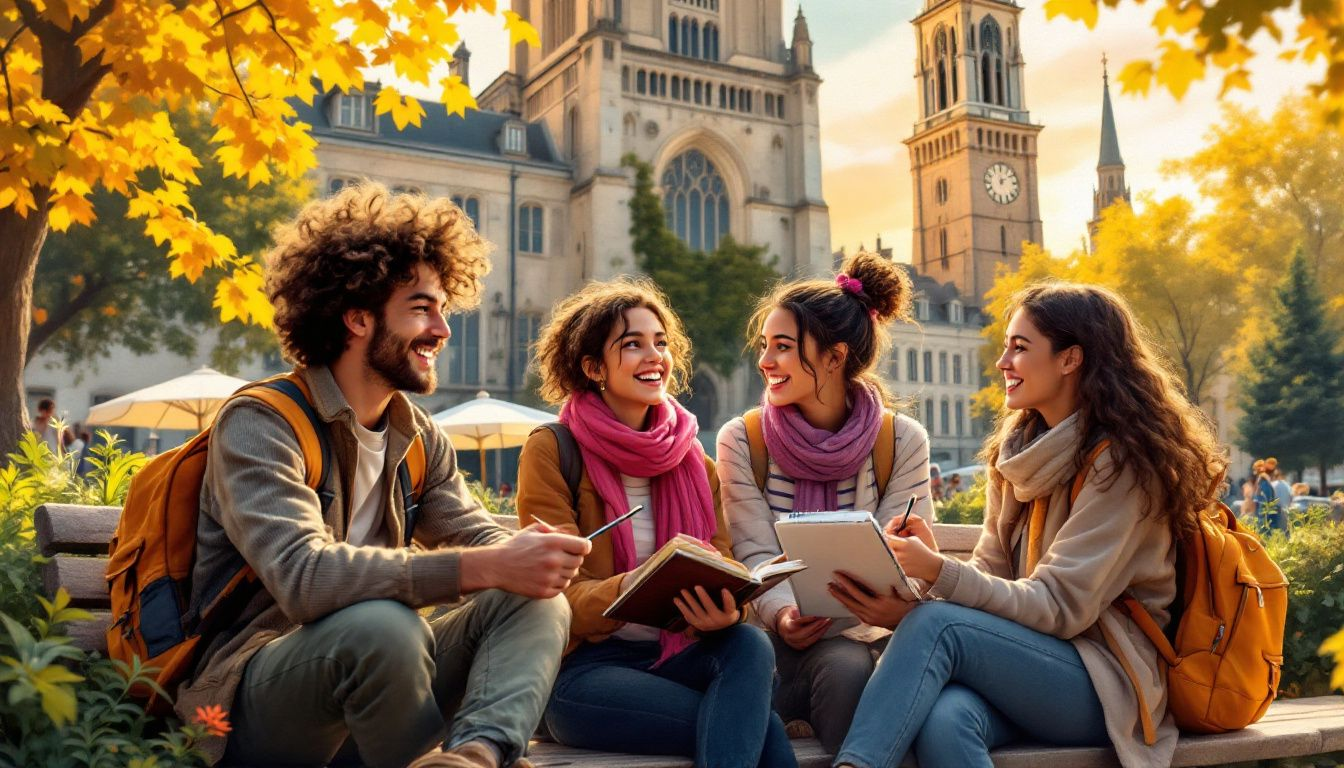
(1174, 17)
(1334, 646)
(1237, 78)
(521, 31)
(1136, 77)
(1078, 10)
(406, 110)
(1178, 68)
(456, 96)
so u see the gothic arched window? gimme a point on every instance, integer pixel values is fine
(941, 67)
(991, 62)
(695, 200)
(673, 36)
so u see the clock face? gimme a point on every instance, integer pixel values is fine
(1001, 183)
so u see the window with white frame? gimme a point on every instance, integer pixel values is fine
(527, 327)
(922, 309)
(928, 416)
(956, 369)
(464, 349)
(954, 312)
(514, 139)
(942, 367)
(928, 367)
(943, 414)
(961, 417)
(530, 229)
(912, 365)
(354, 111)
(470, 206)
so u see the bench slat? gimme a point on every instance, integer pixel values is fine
(82, 577)
(91, 635)
(75, 529)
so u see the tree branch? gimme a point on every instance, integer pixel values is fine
(39, 335)
(4, 67)
(228, 51)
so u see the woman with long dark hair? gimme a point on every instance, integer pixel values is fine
(1025, 643)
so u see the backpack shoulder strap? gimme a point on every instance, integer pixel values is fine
(1080, 479)
(288, 395)
(884, 452)
(760, 458)
(571, 461)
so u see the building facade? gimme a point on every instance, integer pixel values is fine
(707, 91)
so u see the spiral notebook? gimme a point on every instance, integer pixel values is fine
(852, 542)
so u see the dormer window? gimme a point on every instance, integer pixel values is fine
(922, 309)
(354, 111)
(513, 139)
(954, 312)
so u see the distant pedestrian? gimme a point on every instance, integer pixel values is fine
(44, 424)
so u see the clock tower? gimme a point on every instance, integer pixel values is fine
(973, 151)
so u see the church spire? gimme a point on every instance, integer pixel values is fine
(801, 50)
(1110, 143)
(1111, 187)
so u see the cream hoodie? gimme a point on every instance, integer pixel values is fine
(1103, 546)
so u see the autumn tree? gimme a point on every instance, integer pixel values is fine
(1196, 37)
(87, 86)
(105, 285)
(1182, 284)
(713, 292)
(1292, 394)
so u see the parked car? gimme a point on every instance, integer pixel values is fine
(1307, 502)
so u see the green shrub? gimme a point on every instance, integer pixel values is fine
(1313, 560)
(967, 507)
(489, 498)
(62, 706)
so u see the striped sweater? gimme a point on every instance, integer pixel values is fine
(752, 514)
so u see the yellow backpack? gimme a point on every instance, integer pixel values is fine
(1223, 650)
(154, 548)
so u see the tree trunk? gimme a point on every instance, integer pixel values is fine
(1323, 490)
(20, 242)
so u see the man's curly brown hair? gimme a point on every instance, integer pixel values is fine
(351, 251)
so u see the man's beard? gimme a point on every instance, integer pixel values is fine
(389, 356)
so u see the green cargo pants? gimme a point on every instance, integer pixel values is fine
(376, 684)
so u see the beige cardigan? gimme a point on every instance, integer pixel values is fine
(1102, 547)
(753, 523)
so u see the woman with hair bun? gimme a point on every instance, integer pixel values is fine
(1096, 466)
(614, 355)
(821, 416)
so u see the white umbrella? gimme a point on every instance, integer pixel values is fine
(186, 402)
(485, 422)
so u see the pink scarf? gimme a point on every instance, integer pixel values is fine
(666, 451)
(816, 459)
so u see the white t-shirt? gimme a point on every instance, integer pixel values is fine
(639, 490)
(368, 494)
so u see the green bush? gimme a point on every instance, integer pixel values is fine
(1313, 560)
(489, 498)
(967, 507)
(63, 706)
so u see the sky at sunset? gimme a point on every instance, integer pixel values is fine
(864, 51)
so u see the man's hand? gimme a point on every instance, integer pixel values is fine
(878, 610)
(797, 631)
(701, 612)
(537, 562)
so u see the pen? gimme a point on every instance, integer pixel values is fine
(614, 523)
(909, 506)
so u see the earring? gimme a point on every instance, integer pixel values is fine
(602, 385)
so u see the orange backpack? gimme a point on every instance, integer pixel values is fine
(154, 548)
(1223, 648)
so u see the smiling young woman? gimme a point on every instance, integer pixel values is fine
(821, 415)
(1025, 642)
(614, 355)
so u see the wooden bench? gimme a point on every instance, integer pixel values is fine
(75, 539)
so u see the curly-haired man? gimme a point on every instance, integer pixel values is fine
(330, 662)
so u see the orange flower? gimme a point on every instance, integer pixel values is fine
(214, 719)
(39, 315)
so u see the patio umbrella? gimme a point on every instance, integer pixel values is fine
(186, 402)
(485, 422)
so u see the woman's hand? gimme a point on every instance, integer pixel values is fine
(702, 613)
(797, 631)
(878, 610)
(916, 527)
(917, 559)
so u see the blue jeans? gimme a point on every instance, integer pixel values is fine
(710, 702)
(955, 682)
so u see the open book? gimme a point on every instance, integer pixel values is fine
(852, 542)
(682, 563)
